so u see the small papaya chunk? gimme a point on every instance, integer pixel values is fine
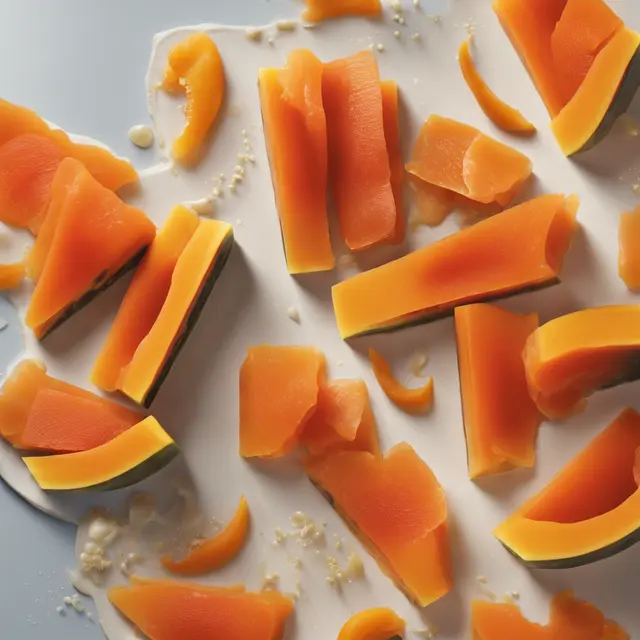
(279, 387)
(343, 420)
(570, 619)
(458, 157)
(629, 249)
(499, 112)
(215, 552)
(410, 400)
(373, 624)
(318, 10)
(196, 65)
(167, 609)
(12, 275)
(398, 509)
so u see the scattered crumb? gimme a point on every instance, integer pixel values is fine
(75, 602)
(630, 126)
(271, 41)
(286, 25)
(636, 188)
(338, 545)
(346, 261)
(380, 47)
(416, 4)
(299, 519)
(428, 632)
(509, 597)
(254, 34)
(396, 34)
(340, 363)
(293, 314)
(481, 579)
(396, 5)
(418, 363)
(416, 36)
(217, 192)
(61, 611)
(270, 582)
(239, 223)
(141, 135)
(470, 26)
(435, 17)
(355, 568)
(399, 19)
(203, 207)
(297, 563)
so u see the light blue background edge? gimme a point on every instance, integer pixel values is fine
(80, 64)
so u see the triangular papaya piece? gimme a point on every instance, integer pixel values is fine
(168, 609)
(97, 239)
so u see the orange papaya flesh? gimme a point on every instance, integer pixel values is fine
(60, 422)
(571, 357)
(501, 420)
(96, 239)
(21, 392)
(12, 275)
(518, 250)
(279, 388)
(605, 94)
(167, 609)
(570, 619)
(343, 420)
(296, 135)
(214, 553)
(397, 508)
(580, 516)
(196, 63)
(391, 122)
(359, 169)
(584, 28)
(457, 157)
(373, 624)
(195, 274)
(28, 163)
(629, 248)
(413, 401)
(499, 112)
(317, 10)
(144, 299)
(111, 172)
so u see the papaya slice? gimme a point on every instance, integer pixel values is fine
(458, 157)
(97, 239)
(582, 60)
(30, 152)
(60, 422)
(144, 299)
(12, 275)
(216, 552)
(581, 516)
(129, 458)
(499, 112)
(167, 609)
(296, 135)
(500, 419)
(279, 388)
(629, 249)
(343, 420)
(518, 250)
(570, 618)
(359, 169)
(317, 10)
(391, 122)
(584, 28)
(28, 164)
(413, 401)
(373, 624)
(195, 274)
(396, 506)
(195, 66)
(57, 412)
(571, 357)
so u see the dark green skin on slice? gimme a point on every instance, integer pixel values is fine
(140, 472)
(445, 312)
(619, 105)
(191, 318)
(587, 558)
(100, 284)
